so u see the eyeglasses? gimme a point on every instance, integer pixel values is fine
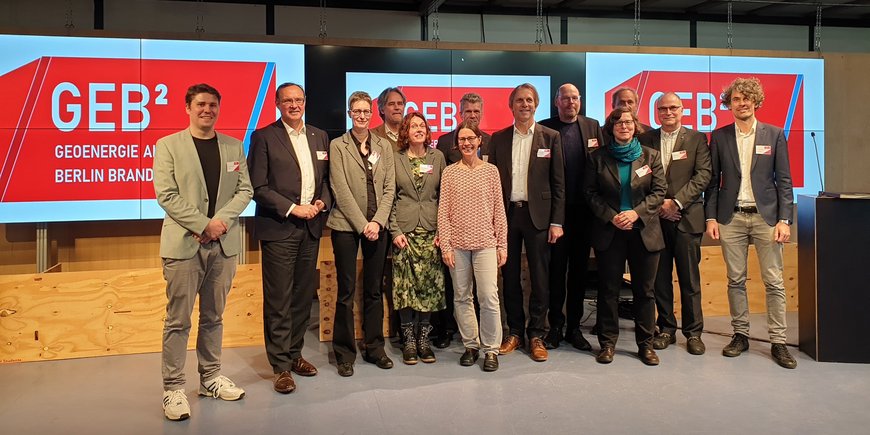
(358, 112)
(468, 139)
(669, 108)
(297, 101)
(624, 123)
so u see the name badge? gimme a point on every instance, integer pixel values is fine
(679, 155)
(322, 155)
(425, 169)
(544, 153)
(592, 143)
(764, 150)
(374, 157)
(645, 170)
(233, 166)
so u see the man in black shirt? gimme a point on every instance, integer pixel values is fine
(570, 254)
(201, 181)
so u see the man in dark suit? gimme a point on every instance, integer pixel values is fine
(570, 254)
(686, 161)
(470, 110)
(750, 198)
(529, 161)
(290, 174)
(391, 107)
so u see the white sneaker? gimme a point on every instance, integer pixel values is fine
(221, 387)
(175, 406)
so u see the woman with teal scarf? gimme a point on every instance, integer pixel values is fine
(625, 187)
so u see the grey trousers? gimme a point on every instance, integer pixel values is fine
(735, 238)
(479, 266)
(208, 274)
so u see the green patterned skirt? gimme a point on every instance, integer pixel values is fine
(418, 280)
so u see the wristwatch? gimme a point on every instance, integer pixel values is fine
(785, 221)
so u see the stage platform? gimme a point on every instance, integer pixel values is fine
(570, 393)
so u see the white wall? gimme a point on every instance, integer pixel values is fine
(347, 23)
(754, 36)
(845, 39)
(612, 31)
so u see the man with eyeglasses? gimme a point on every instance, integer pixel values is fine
(391, 107)
(570, 255)
(686, 161)
(750, 199)
(289, 168)
(529, 160)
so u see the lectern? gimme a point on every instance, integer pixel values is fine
(834, 278)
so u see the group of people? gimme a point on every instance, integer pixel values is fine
(451, 215)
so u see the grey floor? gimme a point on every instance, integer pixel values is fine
(570, 393)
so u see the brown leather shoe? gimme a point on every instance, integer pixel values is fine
(537, 349)
(648, 356)
(509, 344)
(284, 383)
(605, 355)
(303, 368)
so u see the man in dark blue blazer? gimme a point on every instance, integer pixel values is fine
(289, 168)
(750, 199)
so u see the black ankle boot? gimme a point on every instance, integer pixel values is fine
(409, 346)
(424, 348)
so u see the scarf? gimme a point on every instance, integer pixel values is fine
(625, 153)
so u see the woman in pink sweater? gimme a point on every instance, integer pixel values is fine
(472, 230)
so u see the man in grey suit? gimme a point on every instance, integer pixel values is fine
(750, 199)
(570, 255)
(289, 167)
(201, 181)
(529, 161)
(686, 161)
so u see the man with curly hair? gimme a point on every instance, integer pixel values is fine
(750, 199)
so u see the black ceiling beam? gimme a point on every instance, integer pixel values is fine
(428, 7)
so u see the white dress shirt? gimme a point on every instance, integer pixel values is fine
(745, 149)
(520, 152)
(299, 140)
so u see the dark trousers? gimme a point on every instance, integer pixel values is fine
(569, 259)
(289, 269)
(522, 231)
(345, 246)
(626, 245)
(684, 249)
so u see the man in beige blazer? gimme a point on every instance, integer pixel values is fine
(201, 181)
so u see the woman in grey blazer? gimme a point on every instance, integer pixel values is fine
(418, 279)
(362, 179)
(625, 187)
